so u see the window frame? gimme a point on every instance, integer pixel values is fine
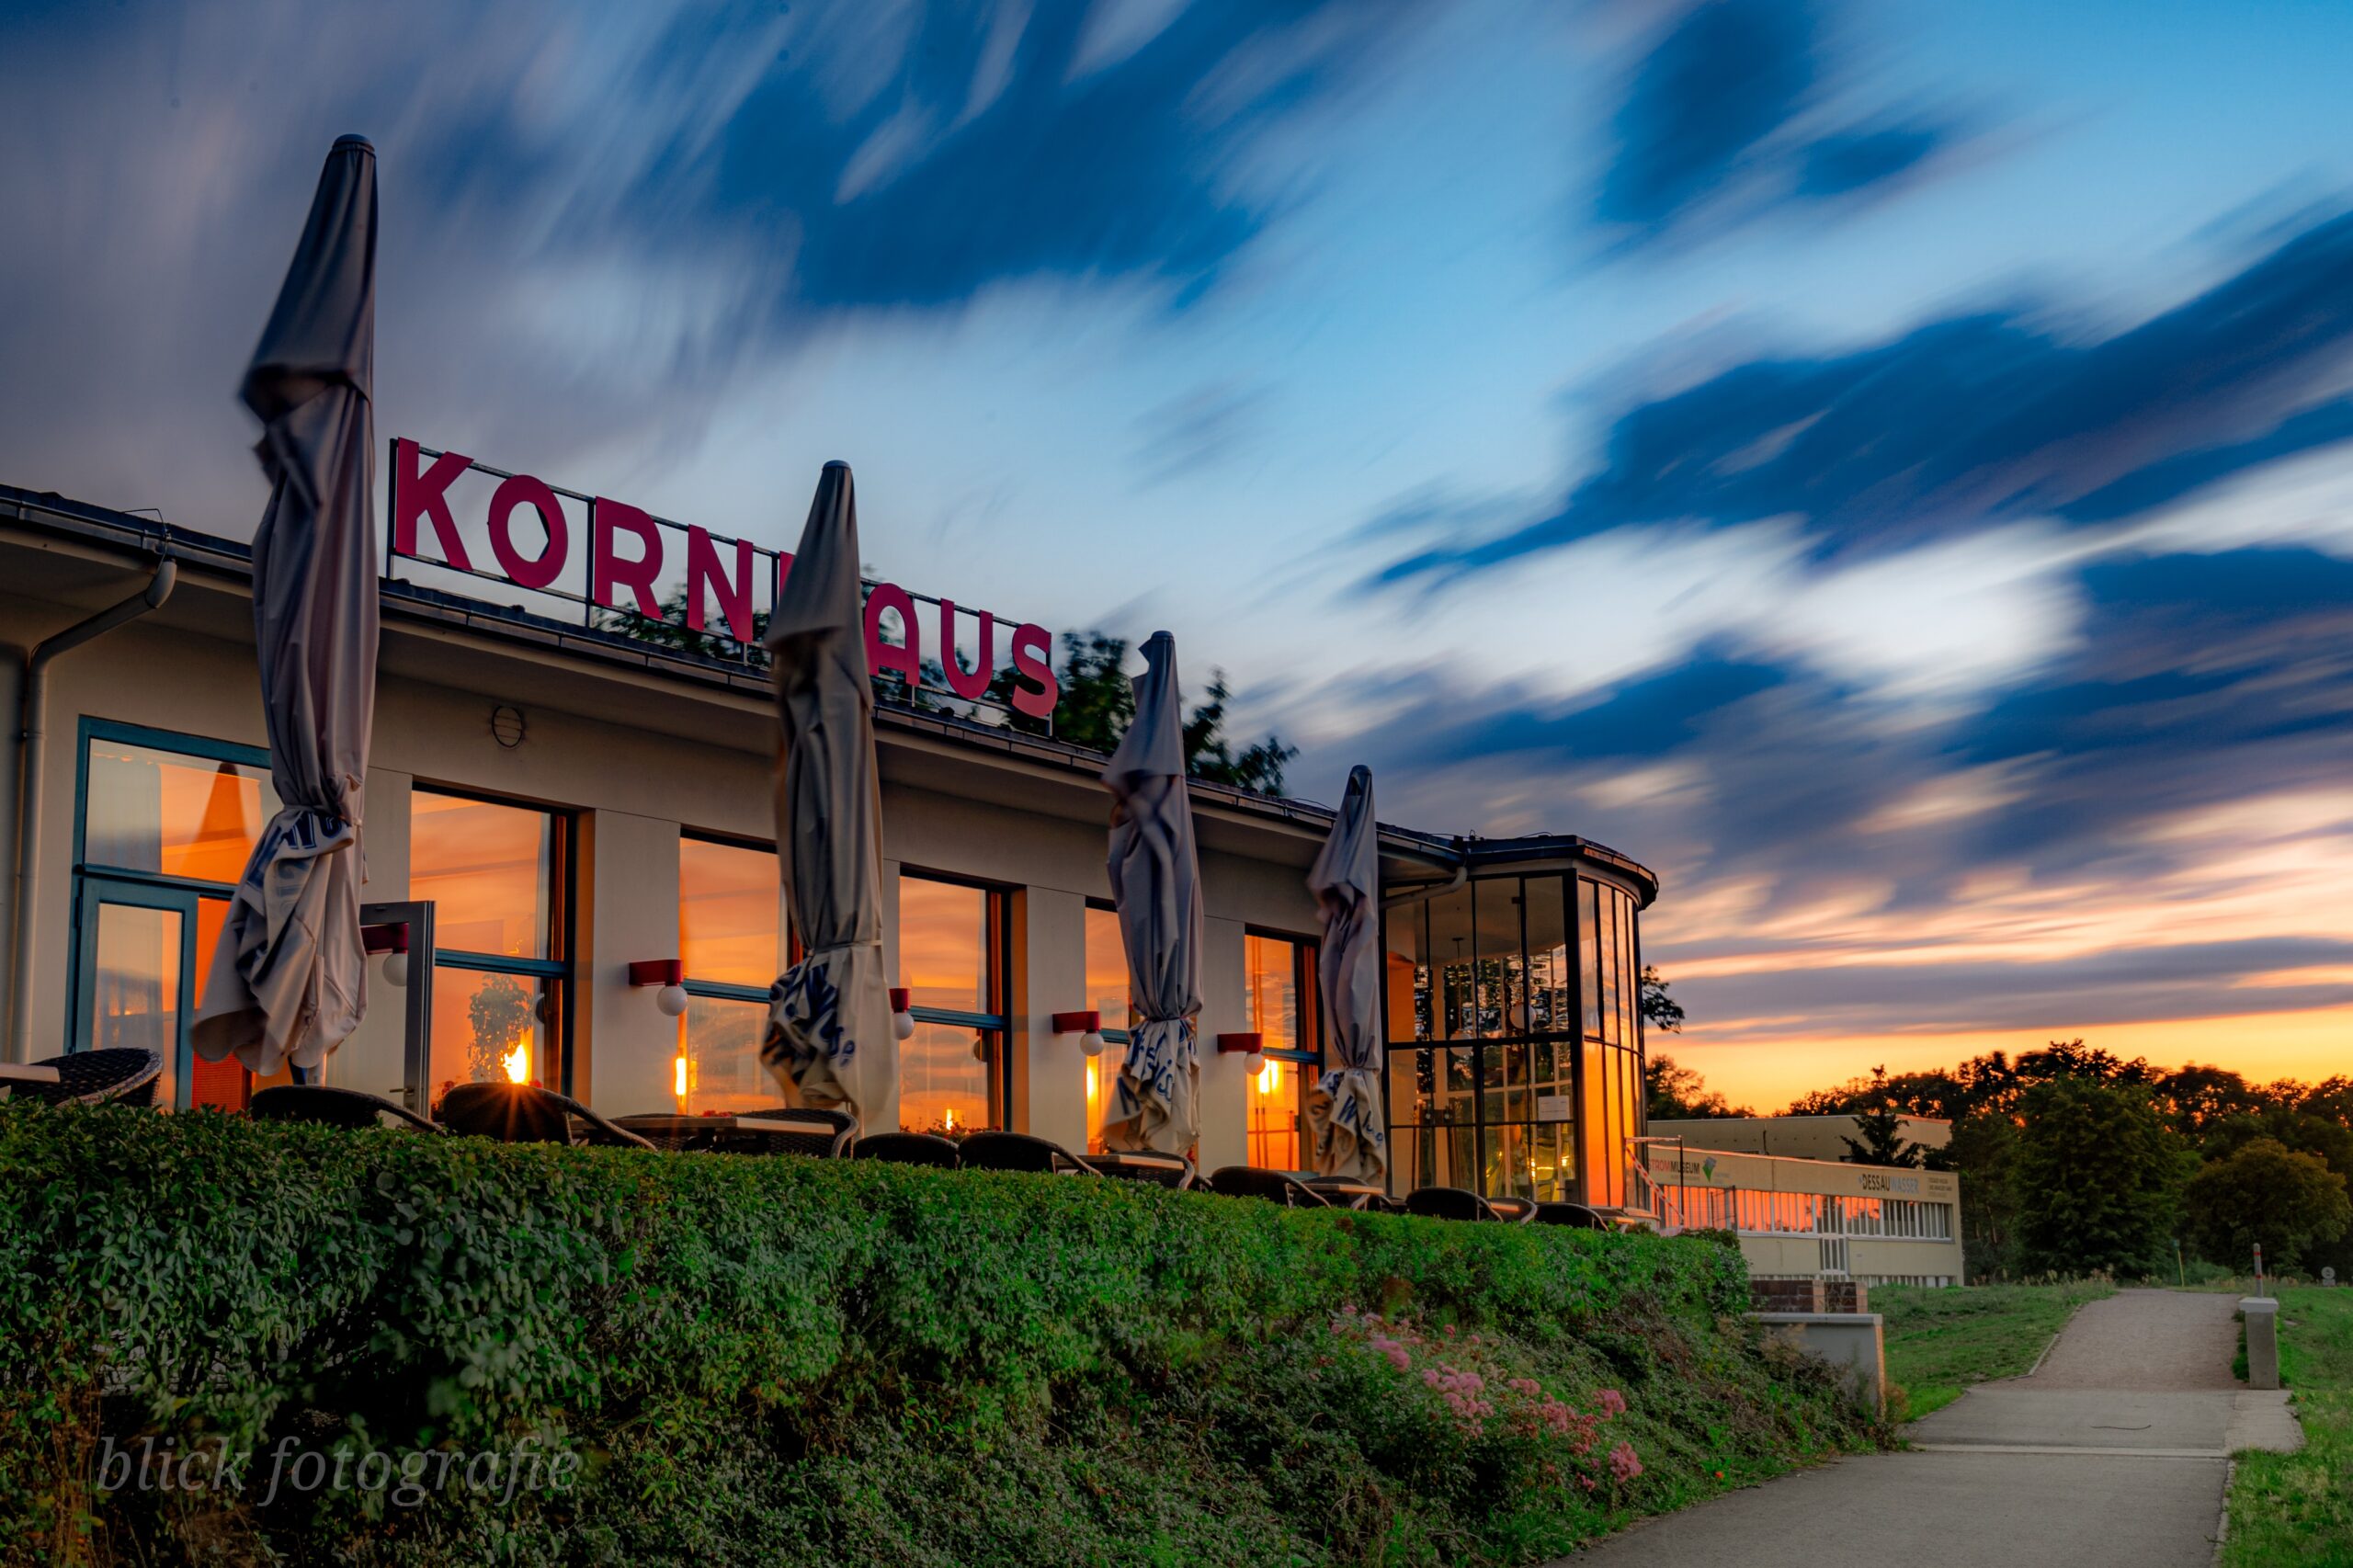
(91, 882)
(564, 887)
(1477, 1052)
(724, 990)
(1120, 1037)
(996, 972)
(1304, 954)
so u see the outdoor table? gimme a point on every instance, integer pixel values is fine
(730, 1134)
(1168, 1170)
(24, 1073)
(1342, 1192)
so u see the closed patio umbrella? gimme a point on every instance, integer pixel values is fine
(289, 979)
(1156, 883)
(1344, 1111)
(829, 1038)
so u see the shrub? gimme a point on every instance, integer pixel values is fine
(2270, 1195)
(796, 1360)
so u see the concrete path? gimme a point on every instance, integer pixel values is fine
(2114, 1452)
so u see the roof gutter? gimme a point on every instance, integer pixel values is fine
(31, 705)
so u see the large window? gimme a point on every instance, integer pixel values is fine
(731, 940)
(1279, 998)
(951, 958)
(166, 825)
(1481, 992)
(496, 876)
(1107, 992)
(1609, 976)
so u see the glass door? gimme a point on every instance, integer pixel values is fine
(136, 981)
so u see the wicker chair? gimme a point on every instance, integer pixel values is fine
(335, 1107)
(1274, 1186)
(909, 1149)
(123, 1075)
(1020, 1151)
(524, 1113)
(1448, 1203)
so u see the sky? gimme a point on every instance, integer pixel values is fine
(1886, 469)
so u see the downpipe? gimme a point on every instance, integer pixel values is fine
(33, 698)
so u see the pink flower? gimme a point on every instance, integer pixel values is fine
(1430, 1378)
(1399, 1359)
(1612, 1401)
(1623, 1465)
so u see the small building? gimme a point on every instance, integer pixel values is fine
(1793, 1137)
(1800, 1218)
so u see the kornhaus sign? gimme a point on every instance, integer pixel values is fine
(625, 567)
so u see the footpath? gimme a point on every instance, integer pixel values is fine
(2115, 1451)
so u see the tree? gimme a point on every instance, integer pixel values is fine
(1879, 1119)
(498, 1013)
(1985, 1150)
(2269, 1194)
(1678, 1093)
(2194, 1098)
(1659, 1010)
(2097, 1178)
(1095, 702)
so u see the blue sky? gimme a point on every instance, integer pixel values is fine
(1883, 468)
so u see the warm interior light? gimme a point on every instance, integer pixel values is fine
(949, 1118)
(1270, 1077)
(517, 1063)
(678, 1078)
(1094, 1082)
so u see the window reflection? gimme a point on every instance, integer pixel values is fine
(170, 814)
(494, 874)
(721, 1060)
(1107, 993)
(489, 869)
(949, 946)
(1277, 1106)
(730, 899)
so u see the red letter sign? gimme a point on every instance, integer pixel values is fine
(977, 683)
(608, 572)
(427, 494)
(882, 655)
(1033, 660)
(703, 570)
(524, 491)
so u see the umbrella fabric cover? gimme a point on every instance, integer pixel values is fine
(289, 979)
(1343, 1113)
(829, 1038)
(1156, 883)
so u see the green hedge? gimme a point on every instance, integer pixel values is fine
(800, 1361)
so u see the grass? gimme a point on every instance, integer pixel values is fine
(1940, 1341)
(2297, 1508)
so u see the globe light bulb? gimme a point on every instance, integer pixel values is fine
(672, 1000)
(903, 1025)
(396, 969)
(1091, 1042)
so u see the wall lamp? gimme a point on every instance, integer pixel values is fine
(902, 1018)
(392, 940)
(670, 974)
(1087, 1026)
(1252, 1045)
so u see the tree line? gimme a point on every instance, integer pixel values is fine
(2074, 1160)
